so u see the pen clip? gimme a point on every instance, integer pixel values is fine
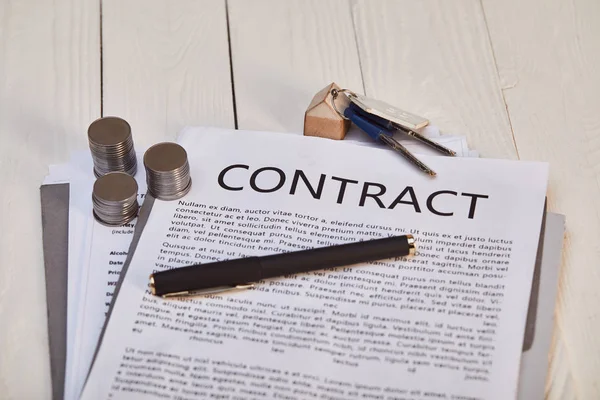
(203, 292)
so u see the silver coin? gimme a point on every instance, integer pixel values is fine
(165, 158)
(174, 195)
(111, 145)
(167, 171)
(114, 199)
(109, 131)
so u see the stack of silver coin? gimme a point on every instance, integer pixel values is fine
(114, 199)
(111, 145)
(167, 171)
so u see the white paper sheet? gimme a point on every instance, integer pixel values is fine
(107, 248)
(457, 143)
(511, 213)
(81, 323)
(79, 169)
(79, 250)
(62, 172)
(84, 320)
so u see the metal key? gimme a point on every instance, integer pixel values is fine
(390, 125)
(381, 134)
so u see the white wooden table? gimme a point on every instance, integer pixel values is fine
(521, 78)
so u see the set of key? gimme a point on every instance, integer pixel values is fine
(380, 121)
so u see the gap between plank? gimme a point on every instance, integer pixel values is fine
(352, 4)
(489, 37)
(557, 325)
(101, 64)
(235, 118)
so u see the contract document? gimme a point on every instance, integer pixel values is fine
(96, 268)
(445, 323)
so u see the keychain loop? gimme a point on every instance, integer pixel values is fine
(334, 95)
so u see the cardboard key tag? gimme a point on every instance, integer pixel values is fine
(321, 119)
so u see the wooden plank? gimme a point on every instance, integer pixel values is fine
(433, 58)
(559, 383)
(166, 65)
(49, 93)
(283, 52)
(548, 57)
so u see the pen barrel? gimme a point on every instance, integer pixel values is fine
(336, 256)
(206, 276)
(231, 273)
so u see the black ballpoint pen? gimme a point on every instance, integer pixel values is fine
(243, 272)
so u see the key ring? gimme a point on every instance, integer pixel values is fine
(334, 95)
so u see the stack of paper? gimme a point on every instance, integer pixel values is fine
(96, 255)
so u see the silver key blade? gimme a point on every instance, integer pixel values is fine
(428, 142)
(407, 154)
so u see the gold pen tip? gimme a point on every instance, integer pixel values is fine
(152, 288)
(411, 245)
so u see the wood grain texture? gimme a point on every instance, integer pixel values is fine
(548, 67)
(49, 92)
(166, 65)
(559, 383)
(433, 58)
(283, 52)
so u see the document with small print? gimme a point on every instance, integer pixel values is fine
(445, 323)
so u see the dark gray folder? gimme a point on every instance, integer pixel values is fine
(55, 233)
